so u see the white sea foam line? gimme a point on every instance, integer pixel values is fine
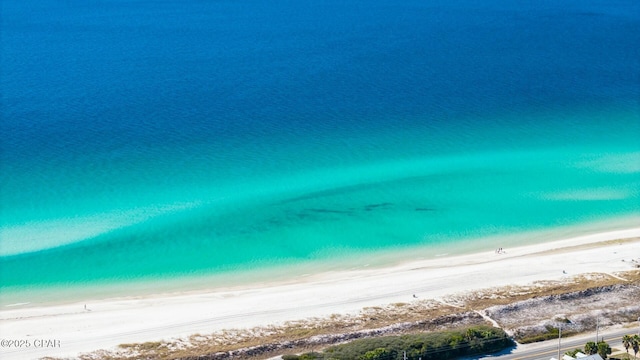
(18, 304)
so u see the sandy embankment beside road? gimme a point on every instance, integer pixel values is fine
(107, 323)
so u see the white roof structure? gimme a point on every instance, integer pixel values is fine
(592, 357)
(580, 356)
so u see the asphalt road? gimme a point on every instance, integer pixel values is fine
(547, 349)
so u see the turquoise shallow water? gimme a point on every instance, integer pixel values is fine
(338, 216)
(197, 140)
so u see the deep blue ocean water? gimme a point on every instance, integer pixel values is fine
(164, 139)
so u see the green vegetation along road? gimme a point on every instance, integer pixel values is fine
(547, 349)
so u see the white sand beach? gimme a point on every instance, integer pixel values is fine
(107, 323)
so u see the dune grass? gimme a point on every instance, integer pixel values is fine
(297, 333)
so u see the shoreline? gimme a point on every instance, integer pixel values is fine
(291, 273)
(108, 323)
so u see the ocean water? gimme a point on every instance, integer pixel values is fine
(153, 141)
